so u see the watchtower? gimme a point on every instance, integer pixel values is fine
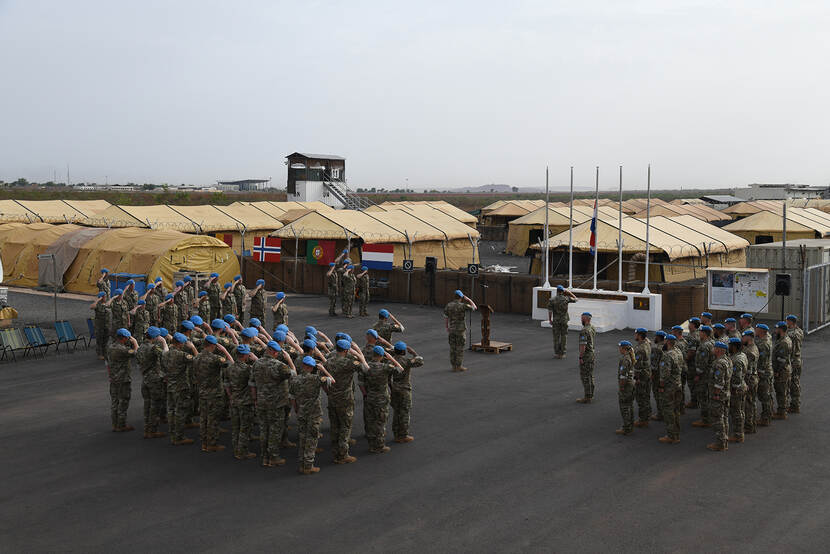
(321, 177)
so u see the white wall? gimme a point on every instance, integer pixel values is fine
(607, 314)
(314, 191)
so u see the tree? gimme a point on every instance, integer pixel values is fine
(21, 182)
(514, 189)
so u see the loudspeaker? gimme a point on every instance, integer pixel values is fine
(430, 264)
(782, 284)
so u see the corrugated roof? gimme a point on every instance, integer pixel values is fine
(317, 156)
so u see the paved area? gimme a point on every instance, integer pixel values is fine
(503, 460)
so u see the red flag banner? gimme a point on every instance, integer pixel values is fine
(320, 252)
(267, 249)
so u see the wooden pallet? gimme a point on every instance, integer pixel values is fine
(494, 347)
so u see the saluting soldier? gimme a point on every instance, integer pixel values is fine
(738, 389)
(271, 374)
(169, 313)
(731, 329)
(280, 310)
(148, 359)
(239, 294)
(765, 374)
(363, 290)
(586, 358)
(208, 366)
(692, 344)
(332, 280)
(140, 318)
(130, 295)
(151, 304)
(120, 313)
(228, 301)
(376, 378)
(401, 388)
(682, 347)
(669, 387)
(103, 283)
(642, 376)
(241, 389)
(343, 363)
(751, 379)
(305, 387)
(455, 321)
(387, 324)
(719, 389)
(558, 319)
(796, 335)
(214, 296)
(121, 350)
(203, 307)
(102, 323)
(257, 295)
(348, 283)
(176, 362)
(626, 387)
(781, 352)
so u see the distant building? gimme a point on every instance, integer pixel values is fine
(780, 191)
(720, 201)
(320, 178)
(243, 184)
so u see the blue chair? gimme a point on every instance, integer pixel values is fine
(36, 340)
(66, 335)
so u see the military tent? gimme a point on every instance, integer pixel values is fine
(744, 209)
(526, 230)
(43, 211)
(20, 245)
(700, 211)
(438, 205)
(768, 226)
(510, 210)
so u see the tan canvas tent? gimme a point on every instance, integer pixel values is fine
(43, 211)
(767, 226)
(439, 205)
(20, 245)
(526, 230)
(700, 211)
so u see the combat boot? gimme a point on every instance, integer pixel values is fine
(382, 450)
(183, 442)
(700, 423)
(158, 435)
(794, 410)
(309, 470)
(191, 425)
(462, 368)
(735, 438)
(288, 444)
(215, 448)
(276, 462)
(147, 435)
(622, 431)
(583, 400)
(407, 438)
(717, 447)
(643, 423)
(352, 442)
(127, 428)
(779, 415)
(656, 417)
(665, 439)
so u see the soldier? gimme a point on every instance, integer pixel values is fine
(343, 364)
(387, 324)
(280, 310)
(376, 378)
(214, 296)
(719, 388)
(751, 378)
(692, 344)
(148, 358)
(401, 386)
(151, 304)
(737, 394)
(140, 318)
(704, 357)
(130, 295)
(668, 387)
(271, 374)
(203, 307)
(781, 352)
(332, 288)
(190, 292)
(348, 282)
(180, 300)
(169, 312)
(239, 294)
(719, 330)
(119, 353)
(176, 362)
(642, 376)
(796, 335)
(706, 319)
(102, 322)
(119, 314)
(363, 290)
(456, 325)
(558, 319)
(626, 383)
(765, 375)
(257, 295)
(744, 323)
(228, 301)
(241, 390)
(305, 387)
(207, 370)
(682, 347)
(731, 331)
(586, 358)
(656, 356)
(103, 283)
(159, 285)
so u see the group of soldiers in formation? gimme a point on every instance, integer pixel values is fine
(197, 359)
(344, 283)
(729, 368)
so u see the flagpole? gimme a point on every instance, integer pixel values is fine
(571, 236)
(619, 241)
(596, 204)
(648, 227)
(547, 251)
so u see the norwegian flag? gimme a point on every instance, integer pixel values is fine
(267, 249)
(593, 242)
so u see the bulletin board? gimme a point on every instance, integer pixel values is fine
(738, 289)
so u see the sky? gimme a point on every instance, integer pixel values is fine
(417, 94)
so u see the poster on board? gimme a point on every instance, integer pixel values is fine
(723, 288)
(738, 289)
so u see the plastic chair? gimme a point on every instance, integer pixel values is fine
(36, 340)
(66, 335)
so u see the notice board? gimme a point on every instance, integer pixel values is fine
(738, 289)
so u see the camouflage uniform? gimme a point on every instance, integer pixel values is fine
(239, 293)
(120, 316)
(229, 305)
(385, 328)
(765, 378)
(456, 312)
(341, 401)
(401, 400)
(271, 377)
(738, 393)
(796, 335)
(102, 333)
(306, 390)
(258, 305)
(719, 386)
(782, 370)
(656, 356)
(214, 296)
(170, 317)
(669, 385)
(331, 288)
(148, 358)
(204, 310)
(558, 306)
(751, 396)
(347, 292)
(207, 371)
(626, 392)
(118, 360)
(141, 322)
(692, 344)
(151, 305)
(363, 293)
(175, 363)
(104, 286)
(182, 309)
(281, 315)
(642, 376)
(586, 363)
(239, 380)
(682, 347)
(130, 298)
(704, 357)
(377, 401)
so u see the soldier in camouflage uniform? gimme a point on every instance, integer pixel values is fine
(190, 293)
(214, 296)
(751, 379)
(257, 295)
(668, 387)
(744, 323)
(203, 306)
(348, 283)
(626, 387)
(642, 376)
(228, 301)
(731, 328)
(704, 358)
(796, 335)
(140, 318)
(176, 362)
(180, 300)
(558, 319)
(332, 288)
(682, 347)
(102, 322)
(239, 294)
(765, 375)
(692, 344)
(241, 389)
(455, 314)
(656, 356)
(387, 324)
(271, 374)
(376, 378)
(280, 310)
(305, 387)
(130, 295)
(148, 359)
(151, 304)
(120, 352)
(119, 313)
(719, 389)
(586, 358)
(719, 331)
(363, 290)
(401, 387)
(103, 283)
(737, 393)
(169, 313)
(160, 289)
(343, 363)
(781, 352)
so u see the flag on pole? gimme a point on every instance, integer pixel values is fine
(378, 256)
(593, 243)
(267, 249)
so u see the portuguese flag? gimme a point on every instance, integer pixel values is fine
(320, 252)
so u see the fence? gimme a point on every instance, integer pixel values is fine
(816, 309)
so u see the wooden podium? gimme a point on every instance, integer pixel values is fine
(487, 345)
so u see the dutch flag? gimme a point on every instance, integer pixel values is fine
(378, 256)
(593, 242)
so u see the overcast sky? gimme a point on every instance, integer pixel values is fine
(426, 93)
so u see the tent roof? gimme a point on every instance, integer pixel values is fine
(415, 228)
(440, 205)
(333, 224)
(47, 211)
(752, 207)
(434, 217)
(556, 216)
(89, 207)
(798, 219)
(687, 201)
(254, 219)
(516, 208)
(702, 212)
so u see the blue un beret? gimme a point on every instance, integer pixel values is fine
(625, 343)
(197, 320)
(734, 340)
(178, 337)
(243, 349)
(372, 333)
(274, 345)
(706, 314)
(718, 326)
(792, 317)
(210, 339)
(763, 326)
(123, 333)
(343, 344)
(729, 320)
(249, 332)
(670, 337)
(217, 324)
(720, 344)
(308, 360)
(782, 324)
(400, 346)
(378, 351)
(587, 314)
(641, 330)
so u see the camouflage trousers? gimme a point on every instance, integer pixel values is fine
(560, 337)
(259, 314)
(642, 392)
(702, 396)
(690, 382)
(101, 338)
(795, 385)
(178, 410)
(718, 411)
(736, 412)
(271, 429)
(457, 341)
(215, 309)
(119, 402)
(671, 412)
(363, 301)
(401, 408)
(242, 419)
(308, 428)
(194, 403)
(626, 397)
(347, 302)
(332, 302)
(210, 412)
(586, 374)
(658, 398)
(153, 394)
(782, 391)
(750, 404)
(341, 416)
(765, 391)
(377, 414)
